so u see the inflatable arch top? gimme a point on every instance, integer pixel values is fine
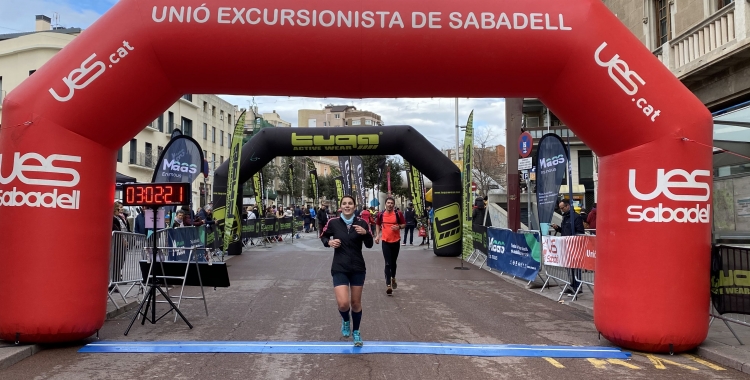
(62, 127)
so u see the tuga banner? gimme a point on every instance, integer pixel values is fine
(417, 190)
(513, 253)
(346, 173)
(570, 251)
(339, 190)
(231, 228)
(466, 185)
(315, 188)
(551, 162)
(730, 279)
(359, 180)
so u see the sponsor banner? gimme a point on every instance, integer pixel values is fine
(417, 190)
(230, 227)
(479, 237)
(730, 279)
(691, 189)
(184, 237)
(550, 170)
(180, 161)
(346, 174)
(258, 190)
(466, 177)
(315, 187)
(570, 251)
(339, 189)
(513, 253)
(251, 228)
(359, 179)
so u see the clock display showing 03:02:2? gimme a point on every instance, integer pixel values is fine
(156, 194)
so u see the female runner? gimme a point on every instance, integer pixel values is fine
(345, 233)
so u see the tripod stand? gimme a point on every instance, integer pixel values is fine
(149, 301)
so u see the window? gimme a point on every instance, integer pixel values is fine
(585, 164)
(149, 161)
(229, 119)
(187, 126)
(188, 97)
(213, 161)
(119, 155)
(205, 155)
(221, 142)
(368, 122)
(221, 115)
(664, 23)
(229, 139)
(205, 131)
(160, 123)
(205, 106)
(723, 3)
(356, 122)
(221, 160)
(532, 122)
(33, 71)
(170, 121)
(159, 150)
(213, 111)
(133, 150)
(213, 134)
(336, 116)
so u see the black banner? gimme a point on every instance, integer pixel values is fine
(730, 279)
(181, 161)
(315, 187)
(479, 237)
(346, 173)
(359, 180)
(551, 163)
(184, 237)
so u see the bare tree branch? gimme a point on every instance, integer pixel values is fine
(489, 168)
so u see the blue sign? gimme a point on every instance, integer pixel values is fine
(513, 253)
(525, 144)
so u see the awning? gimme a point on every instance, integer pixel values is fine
(122, 178)
(732, 133)
(577, 189)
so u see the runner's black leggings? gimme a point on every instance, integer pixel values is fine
(390, 255)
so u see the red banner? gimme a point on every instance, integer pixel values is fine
(570, 251)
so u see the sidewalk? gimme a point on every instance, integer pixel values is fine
(720, 346)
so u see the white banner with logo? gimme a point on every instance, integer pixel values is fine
(570, 251)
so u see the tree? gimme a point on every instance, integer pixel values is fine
(293, 185)
(371, 169)
(489, 167)
(396, 167)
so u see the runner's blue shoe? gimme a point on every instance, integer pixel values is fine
(357, 338)
(345, 328)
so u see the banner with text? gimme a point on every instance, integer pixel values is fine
(550, 170)
(513, 253)
(466, 172)
(359, 180)
(730, 279)
(346, 174)
(339, 191)
(184, 237)
(570, 251)
(314, 186)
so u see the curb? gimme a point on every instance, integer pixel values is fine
(720, 353)
(11, 354)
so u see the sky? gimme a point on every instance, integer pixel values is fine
(433, 117)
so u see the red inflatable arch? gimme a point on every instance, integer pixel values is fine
(63, 126)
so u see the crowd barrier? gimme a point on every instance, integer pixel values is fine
(563, 259)
(126, 250)
(730, 285)
(264, 230)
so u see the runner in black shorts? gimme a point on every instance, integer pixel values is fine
(346, 233)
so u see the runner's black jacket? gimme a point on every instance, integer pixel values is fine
(347, 258)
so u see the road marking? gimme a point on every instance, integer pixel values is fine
(705, 363)
(554, 362)
(602, 364)
(659, 363)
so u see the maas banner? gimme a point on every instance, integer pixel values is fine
(180, 161)
(513, 253)
(570, 251)
(346, 174)
(730, 279)
(359, 180)
(550, 170)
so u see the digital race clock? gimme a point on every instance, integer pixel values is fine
(156, 194)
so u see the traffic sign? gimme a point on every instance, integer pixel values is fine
(473, 186)
(524, 163)
(525, 174)
(525, 143)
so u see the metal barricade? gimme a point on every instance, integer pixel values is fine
(126, 249)
(584, 277)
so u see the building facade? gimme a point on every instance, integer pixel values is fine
(207, 118)
(337, 116)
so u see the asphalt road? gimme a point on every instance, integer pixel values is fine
(284, 293)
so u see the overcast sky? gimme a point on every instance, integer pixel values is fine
(433, 117)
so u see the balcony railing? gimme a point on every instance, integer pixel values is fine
(144, 160)
(710, 35)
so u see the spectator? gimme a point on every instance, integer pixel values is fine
(313, 213)
(591, 219)
(119, 222)
(411, 223)
(366, 216)
(139, 223)
(567, 230)
(322, 217)
(481, 216)
(179, 219)
(206, 215)
(189, 218)
(288, 213)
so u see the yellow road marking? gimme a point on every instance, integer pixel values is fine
(659, 363)
(705, 363)
(554, 362)
(602, 364)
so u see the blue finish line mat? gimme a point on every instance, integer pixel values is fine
(370, 347)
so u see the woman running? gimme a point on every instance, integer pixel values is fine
(346, 233)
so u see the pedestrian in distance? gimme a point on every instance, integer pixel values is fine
(346, 233)
(389, 225)
(411, 223)
(567, 230)
(591, 219)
